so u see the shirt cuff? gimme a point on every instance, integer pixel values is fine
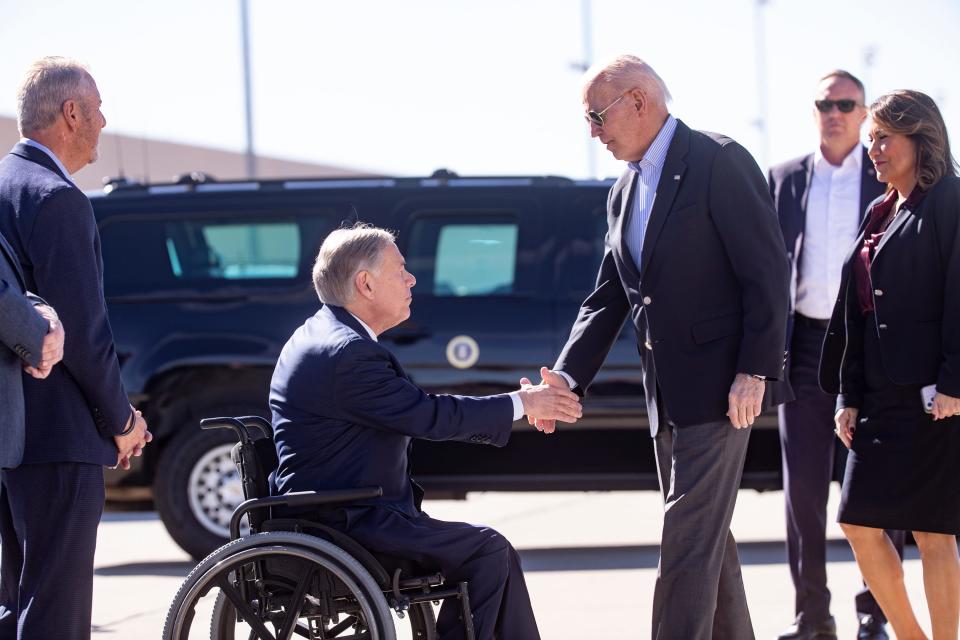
(517, 405)
(570, 381)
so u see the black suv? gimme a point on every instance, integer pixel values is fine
(205, 281)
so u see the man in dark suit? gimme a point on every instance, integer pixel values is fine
(79, 419)
(345, 415)
(820, 199)
(695, 260)
(33, 337)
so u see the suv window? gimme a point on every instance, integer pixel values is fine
(234, 251)
(207, 253)
(453, 257)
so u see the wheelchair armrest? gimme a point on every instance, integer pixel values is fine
(301, 499)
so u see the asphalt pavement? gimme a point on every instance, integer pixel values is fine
(590, 561)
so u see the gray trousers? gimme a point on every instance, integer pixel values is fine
(699, 593)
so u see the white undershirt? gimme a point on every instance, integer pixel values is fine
(833, 217)
(514, 395)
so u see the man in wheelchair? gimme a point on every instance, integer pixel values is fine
(344, 416)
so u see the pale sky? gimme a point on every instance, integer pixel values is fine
(481, 87)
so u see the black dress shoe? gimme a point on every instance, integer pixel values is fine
(803, 630)
(871, 629)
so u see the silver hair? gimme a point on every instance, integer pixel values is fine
(344, 254)
(49, 82)
(626, 72)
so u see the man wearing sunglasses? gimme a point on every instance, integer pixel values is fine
(695, 260)
(820, 198)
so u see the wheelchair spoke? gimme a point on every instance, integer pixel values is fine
(343, 626)
(244, 609)
(295, 605)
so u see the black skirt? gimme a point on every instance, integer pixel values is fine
(903, 470)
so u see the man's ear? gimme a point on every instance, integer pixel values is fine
(364, 284)
(639, 100)
(71, 113)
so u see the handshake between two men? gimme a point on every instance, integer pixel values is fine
(549, 401)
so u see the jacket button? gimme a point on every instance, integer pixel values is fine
(882, 326)
(648, 345)
(647, 300)
(877, 292)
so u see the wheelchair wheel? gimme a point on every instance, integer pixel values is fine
(282, 584)
(420, 622)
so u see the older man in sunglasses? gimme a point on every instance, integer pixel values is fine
(820, 199)
(695, 260)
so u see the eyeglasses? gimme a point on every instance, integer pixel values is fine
(597, 117)
(845, 106)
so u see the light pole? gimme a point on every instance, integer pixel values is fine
(251, 157)
(586, 14)
(760, 54)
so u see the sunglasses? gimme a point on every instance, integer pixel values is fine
(596, 117)
(845, 106)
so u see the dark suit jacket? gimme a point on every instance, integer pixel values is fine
(73, 414)
(21, 340)
(790, 188)
(710, 298)
(916, 270)
(345, 413)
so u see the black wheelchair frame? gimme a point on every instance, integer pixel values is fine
(300, 576)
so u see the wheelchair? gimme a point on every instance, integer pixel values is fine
(294, 577)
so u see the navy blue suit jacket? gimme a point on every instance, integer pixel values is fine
(345, 413)
(73, 414)
(21, 340)
(709, 299)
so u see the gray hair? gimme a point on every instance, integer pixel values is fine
(49, 83)
(627, 72)
(344, 254)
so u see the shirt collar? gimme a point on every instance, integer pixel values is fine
(363, 324)
(36, 145)
(854, 159)
(656, 153)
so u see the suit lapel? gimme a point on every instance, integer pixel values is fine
(619, 228)
(805, 195)
(674, 168)
(898, 221)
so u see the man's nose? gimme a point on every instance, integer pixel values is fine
(413, 280)
(595, 130)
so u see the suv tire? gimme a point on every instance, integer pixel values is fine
(197, 486)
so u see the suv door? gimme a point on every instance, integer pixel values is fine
(480, 318)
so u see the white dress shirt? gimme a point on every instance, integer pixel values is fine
(833, 217)
(514, 395)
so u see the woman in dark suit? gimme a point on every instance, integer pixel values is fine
(896, 329)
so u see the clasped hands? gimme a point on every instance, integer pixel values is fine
(52, 350)
(549, 401)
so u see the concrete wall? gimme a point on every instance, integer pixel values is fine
(146, 160)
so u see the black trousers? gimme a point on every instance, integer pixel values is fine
(462, 552)
(49, 515)
(809, 449)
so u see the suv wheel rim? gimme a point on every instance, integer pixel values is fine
(214, 490)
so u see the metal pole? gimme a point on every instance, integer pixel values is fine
(251, 157)
(587, 22)
(761, 58)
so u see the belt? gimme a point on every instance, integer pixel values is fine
(812, 323)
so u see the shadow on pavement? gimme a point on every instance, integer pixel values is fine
(646, 556)
(560, 558)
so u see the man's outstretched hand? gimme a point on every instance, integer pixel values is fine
(556, 401)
